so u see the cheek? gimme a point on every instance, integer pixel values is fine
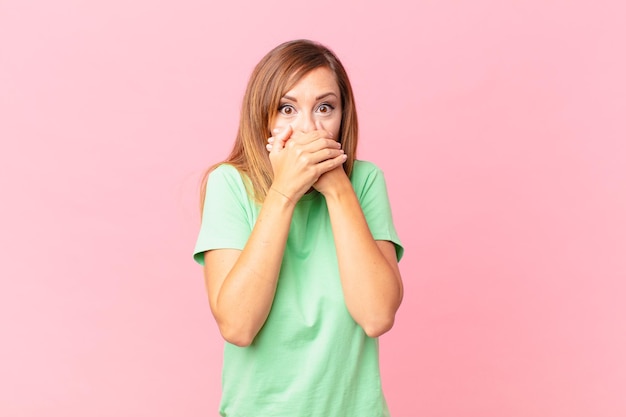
(335, 127)
(277, 123)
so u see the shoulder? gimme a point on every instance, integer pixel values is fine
(224, 171)
(226, 179)
(363, 167)
(364, 173)
(226, 174)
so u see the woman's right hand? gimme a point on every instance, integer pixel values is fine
(298, 159)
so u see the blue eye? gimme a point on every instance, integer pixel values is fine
(287, 109)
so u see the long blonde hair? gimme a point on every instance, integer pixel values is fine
(274, 75)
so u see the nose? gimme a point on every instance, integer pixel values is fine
(306, 123)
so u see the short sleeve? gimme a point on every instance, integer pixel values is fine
(371, 189)
(228, 213)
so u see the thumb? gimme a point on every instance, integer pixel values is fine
(278, 141)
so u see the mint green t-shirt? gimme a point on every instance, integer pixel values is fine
(310, 358)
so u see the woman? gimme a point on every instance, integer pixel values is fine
(299, 249)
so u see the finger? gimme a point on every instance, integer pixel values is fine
(270, 143)
(325, 154)
(277, 142)
(307, 138)
(321, 144)
(331, 164)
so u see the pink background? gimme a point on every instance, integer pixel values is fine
(500, 127)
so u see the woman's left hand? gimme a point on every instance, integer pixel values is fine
(331, 181)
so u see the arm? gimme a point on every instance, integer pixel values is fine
(242, 284)
(369, 271)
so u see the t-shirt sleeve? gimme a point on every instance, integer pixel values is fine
(371, 190)
(226, 213)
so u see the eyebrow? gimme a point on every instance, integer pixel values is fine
(316, 98)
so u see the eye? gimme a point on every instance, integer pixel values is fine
(287, 109)
(325, 108)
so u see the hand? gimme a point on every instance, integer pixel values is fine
(299, 159)
(330, 181)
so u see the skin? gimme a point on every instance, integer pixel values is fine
(304, 155)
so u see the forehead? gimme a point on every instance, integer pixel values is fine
(318, 80)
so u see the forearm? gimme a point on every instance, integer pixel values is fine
(246, 295)
(372, 286)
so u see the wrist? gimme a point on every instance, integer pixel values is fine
(338, 191)
(290, 200)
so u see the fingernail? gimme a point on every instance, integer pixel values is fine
(268, 147)
(270, 140)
